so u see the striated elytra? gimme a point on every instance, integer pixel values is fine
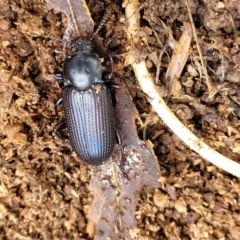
(90, 122)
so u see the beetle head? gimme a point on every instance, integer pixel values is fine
(81, 45)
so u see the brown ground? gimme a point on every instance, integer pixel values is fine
(197, 200)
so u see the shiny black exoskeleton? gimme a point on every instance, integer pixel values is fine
(87, 102)
(83, 68)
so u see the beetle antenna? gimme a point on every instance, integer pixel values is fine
(46, 32)
(103, 21)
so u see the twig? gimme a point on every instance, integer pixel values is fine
(73, 17)
(162, 109)
(210, 87)
(159, 66)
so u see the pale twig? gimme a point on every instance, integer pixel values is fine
(210, 87)
(162, 109)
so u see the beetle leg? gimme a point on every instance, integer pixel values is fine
(109, 74)
(114, 85)
(58, 76)
(122, 152)
(56, 132)
(59, 101)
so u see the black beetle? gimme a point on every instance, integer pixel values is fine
(87, 103)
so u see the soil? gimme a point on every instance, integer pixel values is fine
(44, 188)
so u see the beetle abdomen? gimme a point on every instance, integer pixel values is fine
(90, 122)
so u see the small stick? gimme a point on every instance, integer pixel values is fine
(73, 17)
(210, 87)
